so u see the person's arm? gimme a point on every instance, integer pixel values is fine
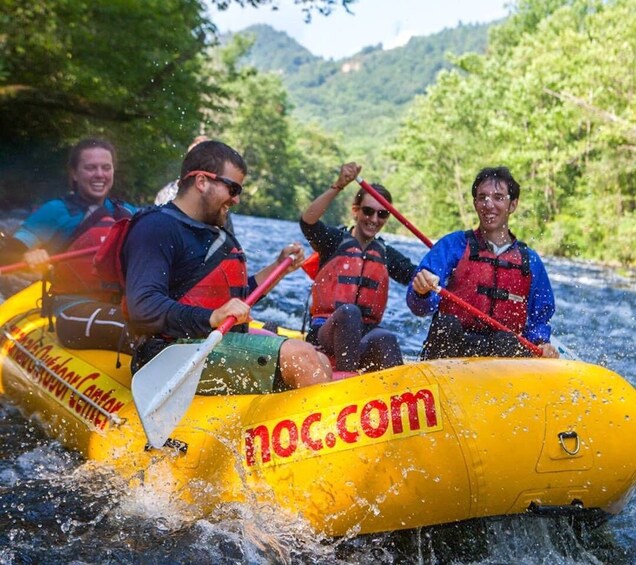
(400, 267)
(435, 269)
(323, 238)
(541, 307)
(50, 221)
(152, 252)
(42, 232)
(291, 249)
(315, 211)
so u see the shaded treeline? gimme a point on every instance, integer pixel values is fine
(552, 96)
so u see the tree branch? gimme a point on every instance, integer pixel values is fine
(603, 114)
(30, 96)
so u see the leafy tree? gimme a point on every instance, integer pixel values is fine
(553, 100)
(289, 163)
(126, 70)
(361, 98)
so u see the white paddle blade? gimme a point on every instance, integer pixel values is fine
(564, 352)
(164, 387)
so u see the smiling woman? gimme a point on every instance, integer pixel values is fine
(351, 288)
(88, 315)
(59, 223)
(91, 169)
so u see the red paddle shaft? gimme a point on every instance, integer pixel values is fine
(486, 318)
(259, 291)
(53, 259)
(442, 291)
(373, 192)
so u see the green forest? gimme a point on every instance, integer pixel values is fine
(361, 98)
(554, 99)
(549, 92)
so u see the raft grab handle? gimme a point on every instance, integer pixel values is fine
(570, 435)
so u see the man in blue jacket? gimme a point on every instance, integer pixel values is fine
(493, 271)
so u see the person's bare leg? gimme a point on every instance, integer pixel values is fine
(301, 365)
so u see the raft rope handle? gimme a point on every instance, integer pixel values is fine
(570, 435)
(114, 418)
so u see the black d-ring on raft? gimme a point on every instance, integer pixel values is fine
(570, 435)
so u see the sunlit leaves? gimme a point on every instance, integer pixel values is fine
(553, 100)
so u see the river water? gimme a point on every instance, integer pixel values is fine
(56, 508)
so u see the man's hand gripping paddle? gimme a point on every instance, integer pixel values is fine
(164, 388)
(442, 291)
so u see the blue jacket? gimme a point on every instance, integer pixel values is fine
(53, 224)
(444, 257)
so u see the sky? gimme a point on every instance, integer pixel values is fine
(339, 35)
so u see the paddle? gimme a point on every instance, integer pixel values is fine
(442, 291)
(53, 259)
(564, 352)
(373, 192)
(164, 388)
(487, 319)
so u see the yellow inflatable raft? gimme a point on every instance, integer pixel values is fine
(417, 445)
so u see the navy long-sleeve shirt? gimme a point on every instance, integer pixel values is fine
(160, 256)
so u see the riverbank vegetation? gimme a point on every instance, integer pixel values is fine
(551, 95)
(554, 98)
(148, 76)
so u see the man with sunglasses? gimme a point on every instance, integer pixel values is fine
(493, 271)
(168, 192)
(185, 274)
(350, 291)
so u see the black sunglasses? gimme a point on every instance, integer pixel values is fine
(234, 188)
(368, 211)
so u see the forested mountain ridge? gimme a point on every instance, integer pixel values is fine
(552, 97)
(148, 76)
(360, 97)
(275, 51)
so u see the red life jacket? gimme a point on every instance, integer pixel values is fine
(353, 276)
(222, 276)
(77, 276)
(226, 275)
(497, 285)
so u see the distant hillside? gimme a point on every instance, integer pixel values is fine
(275, 51)
(361, 97)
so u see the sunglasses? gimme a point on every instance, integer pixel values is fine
(234, 188)
(368, 211)
(496, 198)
